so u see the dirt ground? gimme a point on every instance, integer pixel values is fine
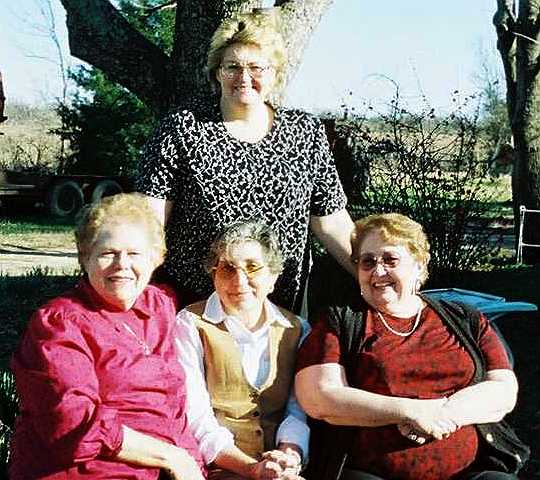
(54, 252)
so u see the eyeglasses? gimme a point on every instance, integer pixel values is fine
(232, 70)
(228, 270)
(368, 261)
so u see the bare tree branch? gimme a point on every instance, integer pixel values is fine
(162, 6)
(2, 101)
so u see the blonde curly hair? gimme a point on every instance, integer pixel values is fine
(397, 229)
(260, 29)
(124, 208)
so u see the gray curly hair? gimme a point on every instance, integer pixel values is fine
(249, 231)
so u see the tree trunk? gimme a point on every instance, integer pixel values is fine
(102, 37)
(518, 44)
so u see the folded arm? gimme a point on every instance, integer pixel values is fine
(324, 393)
(59, 389)
(486, 402)
(215, 441)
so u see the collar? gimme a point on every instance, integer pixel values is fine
(214, 313)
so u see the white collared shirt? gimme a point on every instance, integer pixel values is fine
(254, 350)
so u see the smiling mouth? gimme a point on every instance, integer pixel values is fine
(241, 294)
(120, 279)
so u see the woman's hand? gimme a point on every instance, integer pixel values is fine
(289, 459)
(276, 464)
(182, 466)
(428, 419)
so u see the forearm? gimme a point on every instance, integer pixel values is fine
(234, 460)
(335, 232)
(485, 402)
(144, 450)
(352, 406)
(323, 392)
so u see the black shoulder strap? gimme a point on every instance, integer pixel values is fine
(348, 323)
(464, 321)
(329, 444)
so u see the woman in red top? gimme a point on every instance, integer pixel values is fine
(102, 395)
(409, 388)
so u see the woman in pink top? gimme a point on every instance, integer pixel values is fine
(102, 395)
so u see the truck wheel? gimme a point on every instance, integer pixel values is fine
(64, 199)
(105, 188)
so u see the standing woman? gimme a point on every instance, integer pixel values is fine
(210, 164)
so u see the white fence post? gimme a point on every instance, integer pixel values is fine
(519, 254)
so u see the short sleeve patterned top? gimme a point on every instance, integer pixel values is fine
(215, 180)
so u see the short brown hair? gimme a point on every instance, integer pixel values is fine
(124, 208)
(398, 229)
(259, 29)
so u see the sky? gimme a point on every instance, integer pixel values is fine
(359, 52)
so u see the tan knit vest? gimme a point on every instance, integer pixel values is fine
(251, 414)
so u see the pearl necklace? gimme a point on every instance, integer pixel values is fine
(402, 334)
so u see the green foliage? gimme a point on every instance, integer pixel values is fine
(105, 124)
(25, 225)
(8, 410)
(494, 117)
(156, 24)
(432, 169)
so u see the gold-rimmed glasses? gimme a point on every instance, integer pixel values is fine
(255, 70)
(228, 270)
(368, 261)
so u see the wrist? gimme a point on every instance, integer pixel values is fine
(405, 411)
(252, 470)
(291, 449)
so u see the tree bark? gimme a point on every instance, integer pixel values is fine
(102, 37)
(300, 18)
(519, 47)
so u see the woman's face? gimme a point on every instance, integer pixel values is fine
(243, 280)
(388, 274)
(120, 264)
(246, 75)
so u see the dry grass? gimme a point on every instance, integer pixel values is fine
(26, 143)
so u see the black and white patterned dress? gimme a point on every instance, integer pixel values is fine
(215, 179)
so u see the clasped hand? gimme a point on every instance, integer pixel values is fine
(429, 420)
(282, 464)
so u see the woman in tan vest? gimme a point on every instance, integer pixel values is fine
(238, 350)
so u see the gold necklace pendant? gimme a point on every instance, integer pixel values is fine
(145, 348)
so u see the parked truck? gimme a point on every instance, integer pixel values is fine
(62, 195)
